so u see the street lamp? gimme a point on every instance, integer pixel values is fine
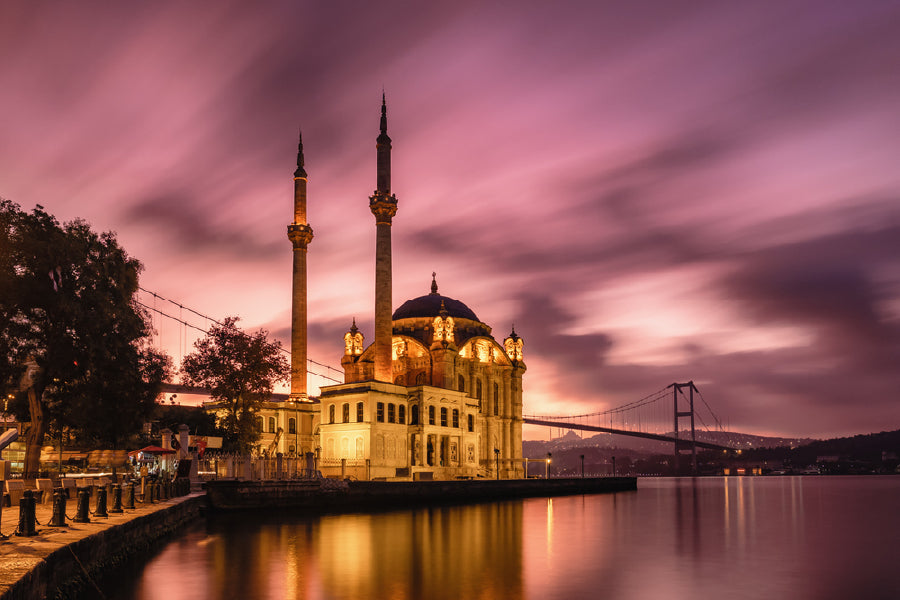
(614, 466)
(547, 472)
(497, 460)
(582, 466)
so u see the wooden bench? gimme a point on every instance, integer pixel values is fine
(68, 484)
(15, 488)
(45, 488)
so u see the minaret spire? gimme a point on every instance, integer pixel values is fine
(301, 171)
(300, 234)
(383, 205)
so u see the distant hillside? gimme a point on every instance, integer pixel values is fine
(869, 453)
(872, 447)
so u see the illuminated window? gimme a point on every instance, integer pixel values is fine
(496, 400)
(359, 412)
(431, 415)
(379, 413)
(292, 425)
(443, 417)
(271, 424)
(414, 414)
(345, 413)
(471, 423)
(401, 414)
(461, 383)
(391, 418)
(331, 413)
(456, 418)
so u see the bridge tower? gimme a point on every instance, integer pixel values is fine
(684, 445)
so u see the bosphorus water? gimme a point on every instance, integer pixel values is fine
(803, 538)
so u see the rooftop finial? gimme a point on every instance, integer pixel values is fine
(433, 283)
(354, 328)
(383, 114)
(301, 171)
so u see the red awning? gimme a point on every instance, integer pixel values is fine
(151, 450)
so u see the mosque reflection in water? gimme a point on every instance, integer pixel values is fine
(443, 552)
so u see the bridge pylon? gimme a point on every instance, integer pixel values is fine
(684, 445)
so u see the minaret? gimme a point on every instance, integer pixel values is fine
(383, 205)
(300, 234)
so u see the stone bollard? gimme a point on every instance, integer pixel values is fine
(100, 511)
(59, 508)
(129, 497)
(82, 511)
(26, 515)
(117, 499)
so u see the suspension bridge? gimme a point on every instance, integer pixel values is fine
(667, 415)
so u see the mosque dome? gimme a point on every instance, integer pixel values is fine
(431, 305)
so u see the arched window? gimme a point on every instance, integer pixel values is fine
(471, 423)
(456, 418)
(399, 380)
(271, 424)
(414, 414)
(292, 425)
(431, 415)
(391, 415)
(345, 413)
(401, 414)
(331, 413)
(359, 412)
(420, 378)
(496, 399)
(260, 424)
(379, 412)
(443, 416)
(461, 383)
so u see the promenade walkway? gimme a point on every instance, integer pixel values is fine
(19, 555)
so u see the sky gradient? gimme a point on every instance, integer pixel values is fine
(651, 192)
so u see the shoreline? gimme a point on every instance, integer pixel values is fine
(66, 561)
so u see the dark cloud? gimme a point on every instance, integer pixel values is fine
(187, 226)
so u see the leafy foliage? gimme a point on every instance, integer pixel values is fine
(239, 370)
(71, 332)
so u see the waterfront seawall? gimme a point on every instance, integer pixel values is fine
(353, 495)
(71, 558)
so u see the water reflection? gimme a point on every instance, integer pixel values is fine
(805, 538)
(448, 552)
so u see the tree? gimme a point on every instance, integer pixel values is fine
(239, 370)
(72, 335)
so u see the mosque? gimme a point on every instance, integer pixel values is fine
(434, 396)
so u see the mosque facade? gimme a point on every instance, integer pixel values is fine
(434, 396)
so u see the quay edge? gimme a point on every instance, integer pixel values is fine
(69, 570)
(355, 495)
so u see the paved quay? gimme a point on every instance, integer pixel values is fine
(19, 555)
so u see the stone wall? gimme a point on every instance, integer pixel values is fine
(68, 571)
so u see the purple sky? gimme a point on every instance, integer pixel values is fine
(651, 192)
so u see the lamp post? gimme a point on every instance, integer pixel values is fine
(614, 466)
(582, 466)
(497, 461)
(547, 471)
